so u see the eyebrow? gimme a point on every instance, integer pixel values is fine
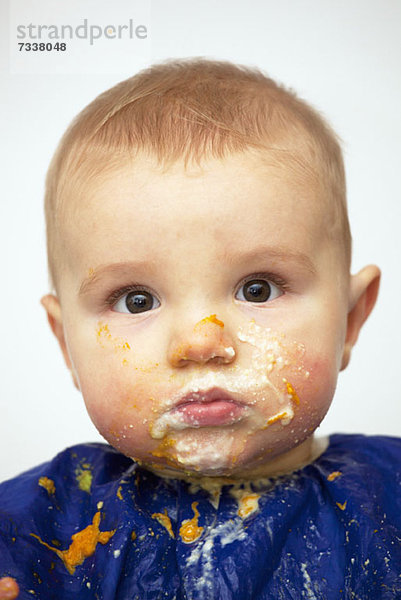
(281, 253)
(121, 268)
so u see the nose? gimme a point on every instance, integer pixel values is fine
(206, 342)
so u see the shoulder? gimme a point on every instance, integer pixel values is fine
(363, 456)
(77, 467)
(46, 508)
(382, 453)
(366, 470)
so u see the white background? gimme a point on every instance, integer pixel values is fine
(343, 56)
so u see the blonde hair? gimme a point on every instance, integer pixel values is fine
(190, 110)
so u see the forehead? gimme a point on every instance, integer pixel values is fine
(217, 210)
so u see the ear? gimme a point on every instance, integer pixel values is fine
(51, 304)
(364, 288)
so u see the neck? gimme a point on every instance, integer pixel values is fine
(287, 463)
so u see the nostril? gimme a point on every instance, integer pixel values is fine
(181, 362)
(215, 360)
(218, 360)
(221, 359)
(213, 349)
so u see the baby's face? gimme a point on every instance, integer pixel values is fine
(204, 313)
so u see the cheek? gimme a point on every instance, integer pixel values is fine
(307, 400)
(295, 392)
(314, 393)
(116, 389)
(295, 384)
(121, 409)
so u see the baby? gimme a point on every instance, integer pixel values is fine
(199, 251)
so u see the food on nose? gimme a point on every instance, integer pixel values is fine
(204, 343)
(209, 319)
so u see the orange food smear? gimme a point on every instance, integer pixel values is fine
(119, 495)
(83, 544)
(291, 391)
(162, 450)
(190, 530)
(248, 504)
(278, 417)
(103, 334)
(211, 319)
(341, 506)
(48, 484)
(179, 353)
(271, 365)
(165, 521)
(333, 475)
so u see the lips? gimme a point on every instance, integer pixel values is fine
(209, 408)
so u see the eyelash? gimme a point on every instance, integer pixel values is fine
(272, 277)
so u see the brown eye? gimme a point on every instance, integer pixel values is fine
(258, 290)
(136, 302)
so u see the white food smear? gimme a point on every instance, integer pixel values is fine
(232, 530)
(208, 457)
(230, 352)
(177, 421)
(307, 583)
(268, 354)
(248, 503)
(202, 554)
(215, 450)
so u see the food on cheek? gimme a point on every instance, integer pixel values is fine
(267, 384)
(106, 339)
(283, 416)
(291, 392)
(267, 381)
(275, 361)
(121, 347)
(164, 449)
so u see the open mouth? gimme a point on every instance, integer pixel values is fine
(208, 408)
